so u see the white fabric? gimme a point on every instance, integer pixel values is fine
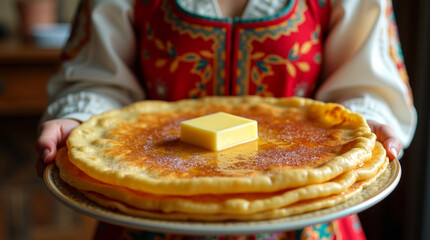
(207, 8)
(102, 69)
(358, 69)
(263, 8)
(254, 8)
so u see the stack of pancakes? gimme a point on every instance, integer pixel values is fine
(309, 155)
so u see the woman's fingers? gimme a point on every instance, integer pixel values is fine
(387, 137)
(53, 134)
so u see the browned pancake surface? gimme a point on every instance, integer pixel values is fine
(287, 139)
(301, 142)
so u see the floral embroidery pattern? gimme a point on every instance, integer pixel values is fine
(248, 36)
(206, 33)
(172, 59)
(292, 63)
(323, 231)
(395, 48)
(253, 68)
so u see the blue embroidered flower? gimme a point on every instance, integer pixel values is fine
(262, 66)
(201, 64)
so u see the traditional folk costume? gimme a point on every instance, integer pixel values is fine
(341, 51)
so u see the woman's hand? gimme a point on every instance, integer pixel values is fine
(387, 137)
(52, 136)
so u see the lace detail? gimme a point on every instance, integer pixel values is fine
(83, 104)
(254, 8)
(371, 109)
(207, 8)
(263, 8)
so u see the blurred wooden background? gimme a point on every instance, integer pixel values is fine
(27, 209)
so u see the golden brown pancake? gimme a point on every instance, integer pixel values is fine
(240, 203)
(301, 142)
(293, 209)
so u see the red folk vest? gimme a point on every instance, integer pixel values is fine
(184, 55)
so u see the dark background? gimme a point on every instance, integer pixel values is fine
(405, 214)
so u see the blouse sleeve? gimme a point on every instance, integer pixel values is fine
(96, 74)
(364, 67)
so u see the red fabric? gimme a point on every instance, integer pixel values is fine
(350, 228)
(189, 56)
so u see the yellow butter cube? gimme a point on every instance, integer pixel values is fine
(218, 131)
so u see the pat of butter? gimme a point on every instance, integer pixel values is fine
(218, 131)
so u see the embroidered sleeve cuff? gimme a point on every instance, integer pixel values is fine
(374, 109)
(370, 109)
(80, 106)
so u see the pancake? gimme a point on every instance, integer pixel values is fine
(290, 210)
(301, 142)
(241, 203)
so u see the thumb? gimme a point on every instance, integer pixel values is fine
(385, 134)
(46, 145)
(53, 134)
